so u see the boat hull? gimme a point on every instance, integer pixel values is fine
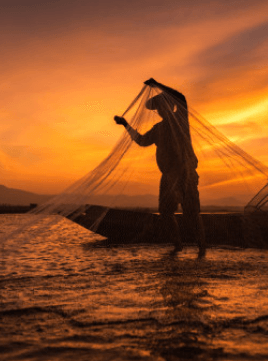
(126, 227)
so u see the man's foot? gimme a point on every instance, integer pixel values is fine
(201, 252)
(177, 249)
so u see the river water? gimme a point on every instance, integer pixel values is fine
(64, 297)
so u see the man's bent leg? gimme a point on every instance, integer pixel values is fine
(170, 230)
(168, 205)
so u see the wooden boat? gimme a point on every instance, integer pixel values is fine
(126, 227)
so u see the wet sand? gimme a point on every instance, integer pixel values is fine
(64, 298)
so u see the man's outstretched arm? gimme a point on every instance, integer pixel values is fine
(141, 139)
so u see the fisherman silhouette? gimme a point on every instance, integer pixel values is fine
(177, 162)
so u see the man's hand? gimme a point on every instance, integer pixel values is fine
(120, 120)
(151, 82)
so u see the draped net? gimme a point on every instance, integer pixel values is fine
(129, 176)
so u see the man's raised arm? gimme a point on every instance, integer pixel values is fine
(153, 83)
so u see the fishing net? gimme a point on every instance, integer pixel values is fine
(259, 203)
(165, 144)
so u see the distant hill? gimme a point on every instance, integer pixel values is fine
(124, 201)
(16, 197)
(11, 196)
(225, 201)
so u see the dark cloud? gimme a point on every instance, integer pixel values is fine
(57, 29)
(25, 18)
(238, 50)
(242, 58)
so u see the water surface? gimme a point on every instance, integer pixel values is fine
(63, 297)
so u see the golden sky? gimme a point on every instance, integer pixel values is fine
(67, 67)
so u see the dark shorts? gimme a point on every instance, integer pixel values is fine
(183, 191)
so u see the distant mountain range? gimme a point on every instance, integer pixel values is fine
(11, 196)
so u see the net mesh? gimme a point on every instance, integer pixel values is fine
(165, 137)
(259, 203)
(129, 175)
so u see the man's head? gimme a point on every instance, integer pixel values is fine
(161, 104)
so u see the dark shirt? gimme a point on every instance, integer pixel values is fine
(170, 147)
(168, 154)
(174, 152)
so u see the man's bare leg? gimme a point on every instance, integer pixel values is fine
(171, 231)
(194, 227)
(201, 238)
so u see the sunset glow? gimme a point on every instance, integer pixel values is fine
(68, 67)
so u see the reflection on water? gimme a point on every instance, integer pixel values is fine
(63, 297)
